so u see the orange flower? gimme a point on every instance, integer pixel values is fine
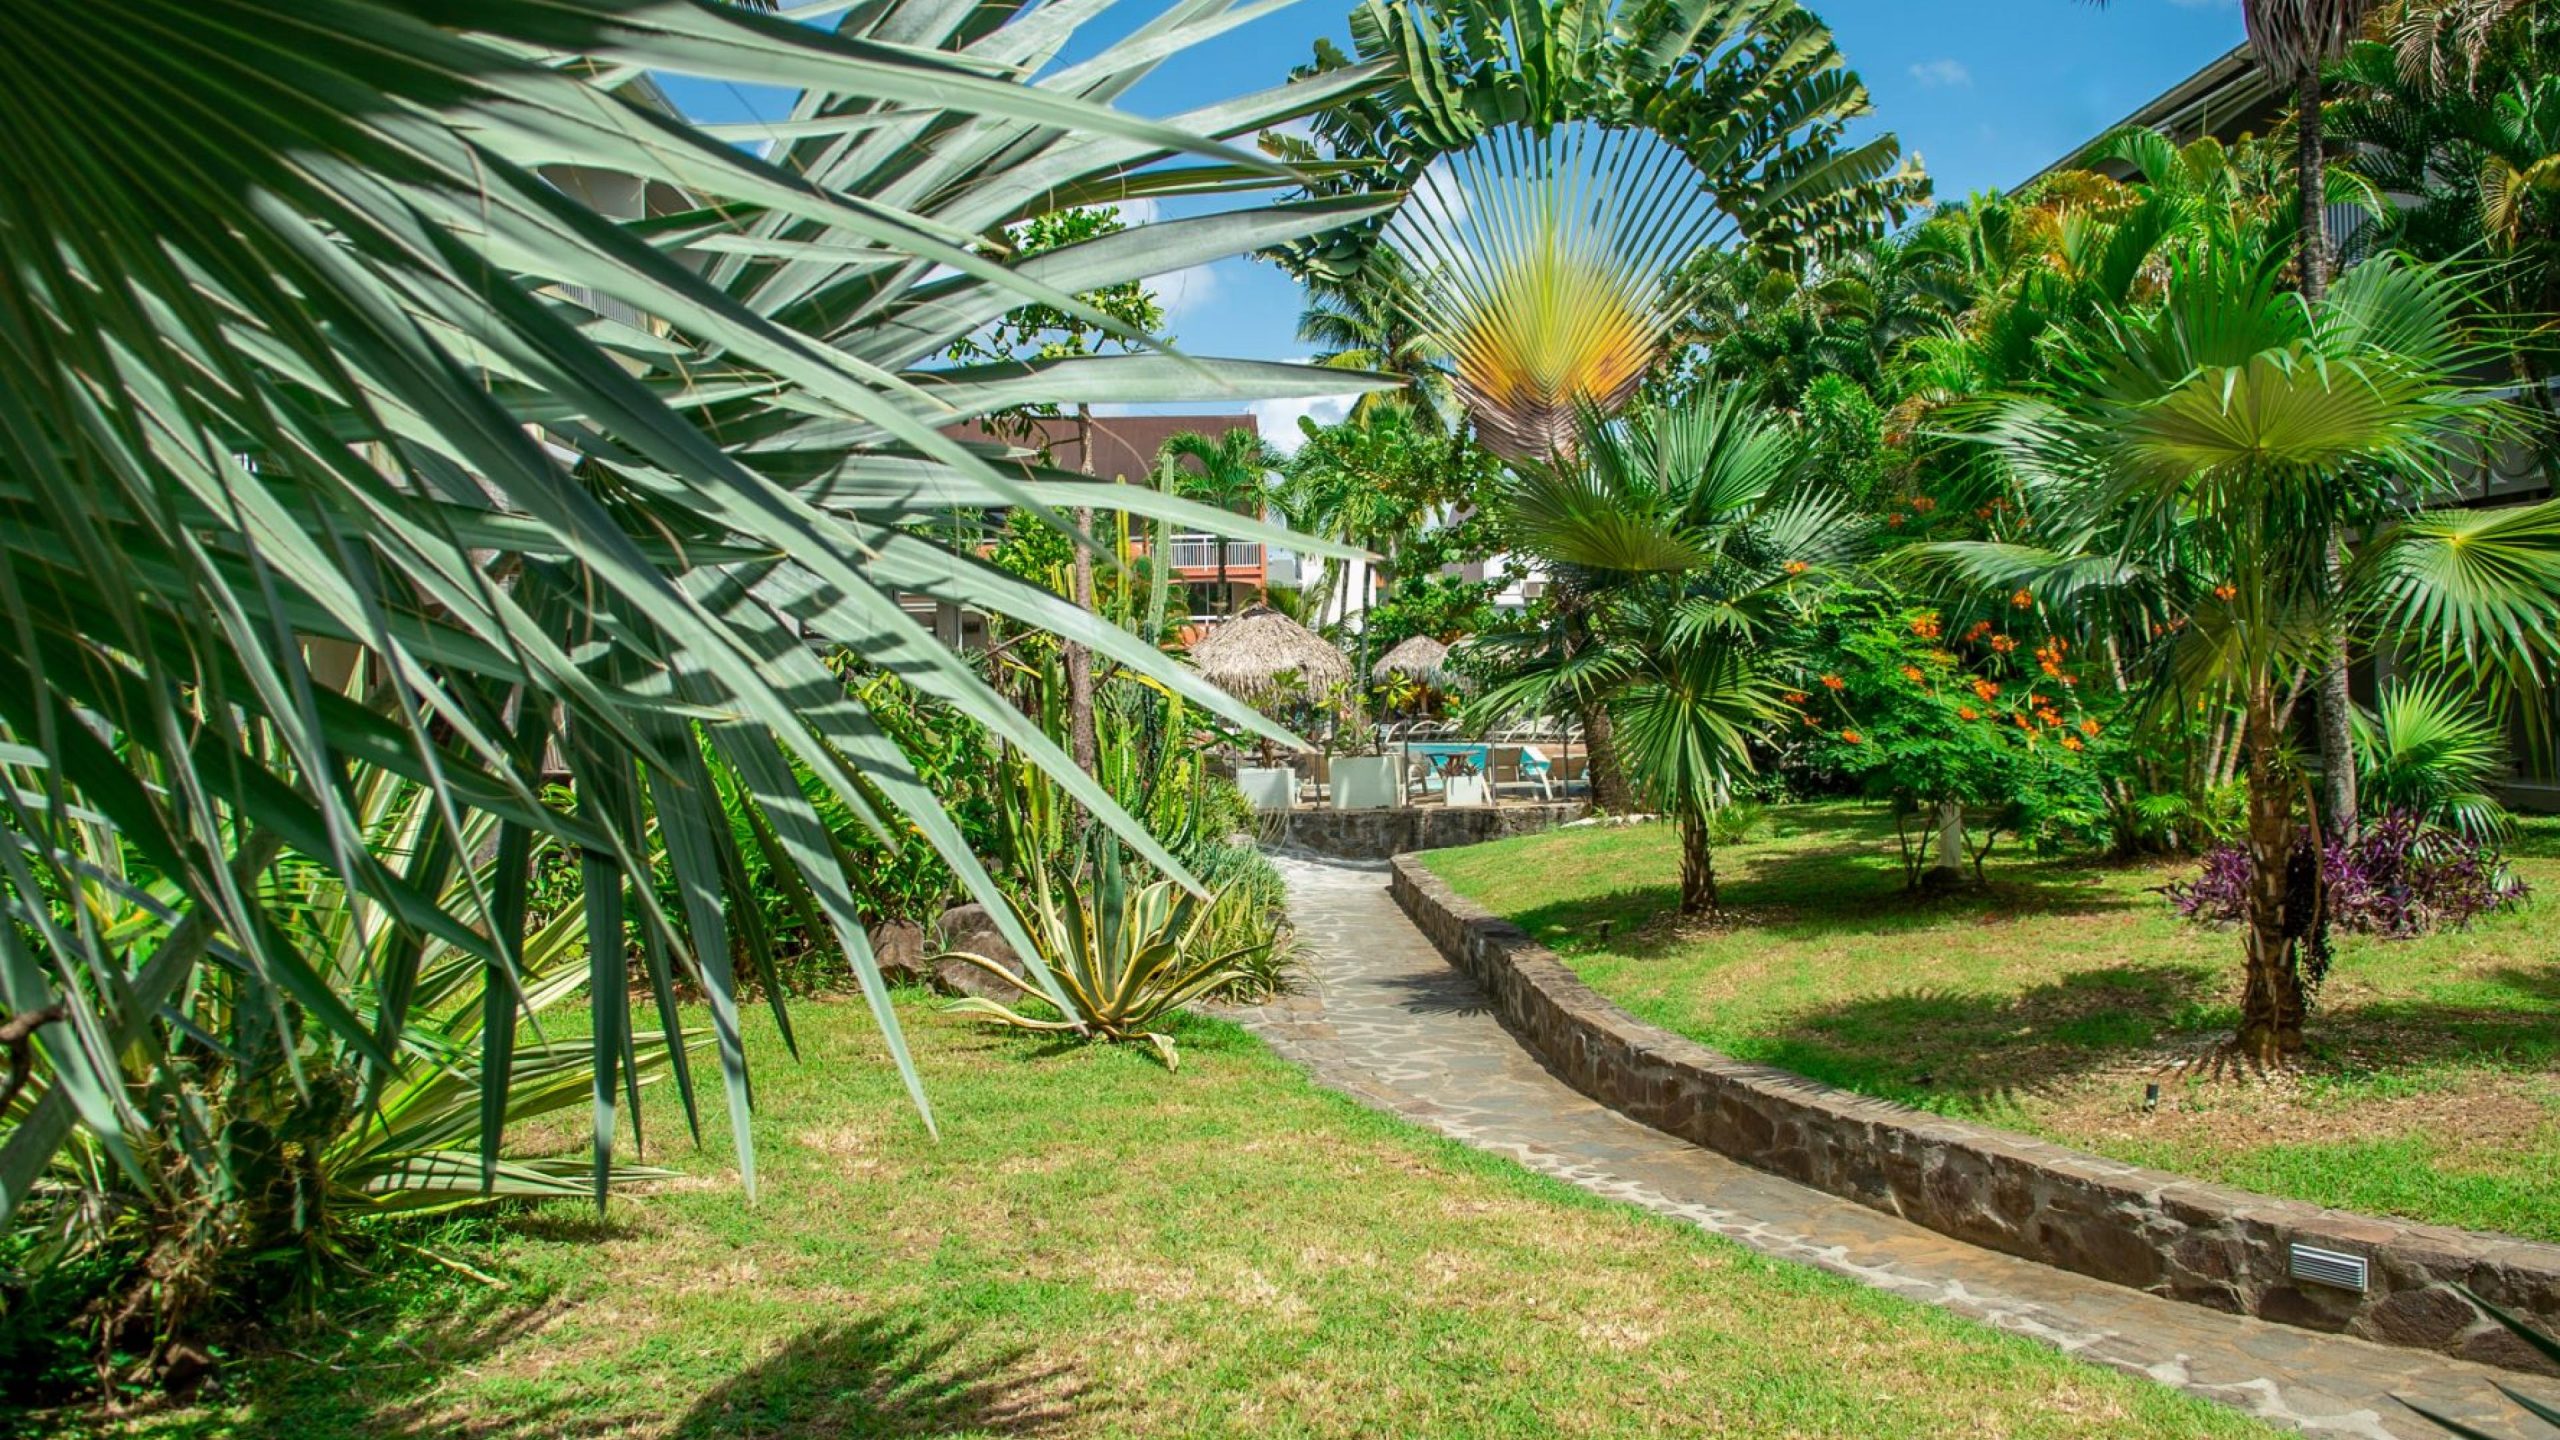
(2050, 718)
(2052, 669)
(2003, 643)
(2024, 723)
(2089, 727)
(1912, 674)
(1925, 626)
(2070, 742)
(1797, 567)
(1834, 682)
(1985, 689)
(2226, 592)
(1984, 513)
(1852, 737)
(1967, 712)
(1894, 520)
(2022, 600)
(1980, 629)
(1812, 723)
(1924, 504)
(1795, 697)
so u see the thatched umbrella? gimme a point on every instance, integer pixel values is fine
(1421, 657)
(1261, 656)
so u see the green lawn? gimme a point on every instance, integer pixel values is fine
(1097, 1247)
(2050, 1000)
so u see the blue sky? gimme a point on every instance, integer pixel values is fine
(1987, 91)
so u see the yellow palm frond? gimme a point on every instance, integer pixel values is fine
(1543, 265)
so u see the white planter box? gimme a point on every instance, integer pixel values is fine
(1468, 790)
(1272, 789)
(1368, 782)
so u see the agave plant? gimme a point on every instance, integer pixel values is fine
(1125, 956)
(316, 369)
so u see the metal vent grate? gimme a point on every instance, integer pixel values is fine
(2329, 1267)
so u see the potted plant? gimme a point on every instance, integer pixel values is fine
(1368, 781)
(1465, 784)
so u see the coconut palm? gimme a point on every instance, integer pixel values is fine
(1231, 474)
(1682, 541)
(337, 431)
(1358, 322)
(2187, 466)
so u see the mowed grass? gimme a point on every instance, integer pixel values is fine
(1097, 1247)
(2049, 1001)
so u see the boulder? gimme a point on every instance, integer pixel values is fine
(969, 928)
(898, 946)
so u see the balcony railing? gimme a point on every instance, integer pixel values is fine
(1200, 552)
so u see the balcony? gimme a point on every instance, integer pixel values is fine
(1196, 557)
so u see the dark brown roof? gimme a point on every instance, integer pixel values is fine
(1124, 446)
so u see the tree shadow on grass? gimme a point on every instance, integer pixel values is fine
(1835, 889)
(885, 1377)
(1963, 1051)
(873, 1377)
(1969, 1053)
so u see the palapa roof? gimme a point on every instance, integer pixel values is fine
(1247, 655)
(1420, 656)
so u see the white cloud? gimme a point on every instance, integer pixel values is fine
(1278, 419)
(1184, 292)
(1943, 73)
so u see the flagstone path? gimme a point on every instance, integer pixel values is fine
(1387, 1021)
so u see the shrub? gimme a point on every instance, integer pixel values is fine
(2397, 877)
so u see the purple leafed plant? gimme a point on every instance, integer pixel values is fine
(2397, 877)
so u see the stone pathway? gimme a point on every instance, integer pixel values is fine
(1389, 1022)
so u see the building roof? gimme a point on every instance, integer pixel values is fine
(1124, 446)
(2230, 97)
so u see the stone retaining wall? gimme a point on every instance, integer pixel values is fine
(2163, 1233)
(1378, 834)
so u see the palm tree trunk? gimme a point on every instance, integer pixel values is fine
(1079, 660)
(1611, 792)
(1697, 865)
(2272, 1005)
(2311, 262)
(2311, 192)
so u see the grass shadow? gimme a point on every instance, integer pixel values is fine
(1849, 888)
(1965, 1051)
(885, 1377)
